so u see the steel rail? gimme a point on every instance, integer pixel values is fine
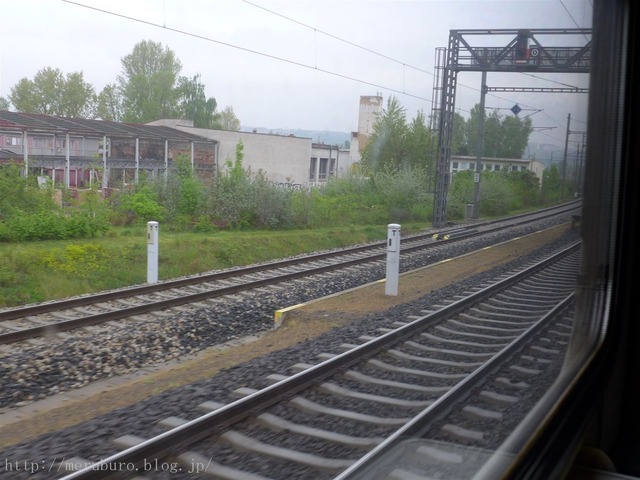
(211, 423)
(420, 424)
(56, 305)
(88, 320)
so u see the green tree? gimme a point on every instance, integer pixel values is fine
(227, 119)
(420, 146)
(459, 142)
(387, 146)
(418, 141)
(148, 83)
(4, 104)
(51, 93)
(109, 104)
(194, 104)
(515, 136)
(504, 137)
(77, 97)
(551, 183)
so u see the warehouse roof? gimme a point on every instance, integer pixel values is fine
(47, 124)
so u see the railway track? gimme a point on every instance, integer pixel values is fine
(31, 321)
(447, 378)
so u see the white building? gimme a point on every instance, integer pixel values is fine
(328, 161)
(458, 163)
(287, 160)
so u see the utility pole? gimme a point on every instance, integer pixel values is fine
(479, 146)
(576, 179)
(582, 158)
(564, 158)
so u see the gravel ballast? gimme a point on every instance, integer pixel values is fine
(39, 371)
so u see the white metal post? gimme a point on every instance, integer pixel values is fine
(137, 160)
(166, 159)
(152, 252)
(104, 162)
(67, 169)
(25, 153)
(393, 259)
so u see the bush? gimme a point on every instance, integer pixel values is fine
(138, 206)
(51, 226)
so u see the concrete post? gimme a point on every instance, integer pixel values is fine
(152, 252)
(393, 259)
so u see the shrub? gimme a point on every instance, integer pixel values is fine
(138, 206)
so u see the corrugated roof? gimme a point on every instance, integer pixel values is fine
(49, 124)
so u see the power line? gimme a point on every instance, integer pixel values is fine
(335, 37)
(548, 80)
(291, 62)
(574, 20)
(248, 50)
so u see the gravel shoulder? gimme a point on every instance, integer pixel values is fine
(305, 322)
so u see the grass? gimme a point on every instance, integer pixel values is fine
(40, 271)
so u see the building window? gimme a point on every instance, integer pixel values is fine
(332, 167)
(312, 168)
(322, 174)
(496, 168)
(455, 165)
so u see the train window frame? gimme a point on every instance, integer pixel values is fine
(592, 402)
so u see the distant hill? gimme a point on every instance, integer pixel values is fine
(317, 136)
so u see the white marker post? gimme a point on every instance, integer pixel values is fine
(393, 259)
(152, 252)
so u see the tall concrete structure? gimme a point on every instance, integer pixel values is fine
(370, 108)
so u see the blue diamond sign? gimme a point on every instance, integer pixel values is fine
(516, 109)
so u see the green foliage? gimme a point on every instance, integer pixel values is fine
(387, 196)
(459, 142)
(387, 145)
(500, 192)
(28, 212)
(51, 225)
(240, 199)
(190, 191)
(461, 193)
(19, 194)
(497, 195)
(396, 145)
(38, 271)
(504, 137)
(148, 82)
(51, 93)
(109, 104)
(150, 87)
(194, 104)
(227, 119)
(553, 188)
(138, 205)
(74, 259)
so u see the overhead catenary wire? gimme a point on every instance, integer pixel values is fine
(382, 55)
(245, 49)
(293, 62)
(336, 37)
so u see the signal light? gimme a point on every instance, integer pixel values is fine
(522, 47)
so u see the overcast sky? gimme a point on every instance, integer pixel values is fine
(297, 80)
